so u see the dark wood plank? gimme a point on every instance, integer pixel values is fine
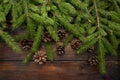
(50, 71)
(7, 53)
(62, 70)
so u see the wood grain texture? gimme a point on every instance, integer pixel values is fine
(70, 67)
(58, 71)
(61, 70)
(8, 54)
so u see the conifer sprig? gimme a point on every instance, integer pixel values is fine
(106, 24)
(50, 52)
(36, 44)
(95, 22)
(10, 41)
(101, 57)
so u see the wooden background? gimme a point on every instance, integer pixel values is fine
(68, 67)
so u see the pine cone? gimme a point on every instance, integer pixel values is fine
(60, 50)
(91, 50)
(26, 44)
(46, 37)
(93, 60)
(40, 57)
(61, 33)
(75, 44)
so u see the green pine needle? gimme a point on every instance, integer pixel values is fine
(41, 19)
(14, 11)
(114, 26)
(21, 37)
(98, 19)
(30, 28)
(53, 33)
(36, 44)
(108, 46)
(113, 40)
(3, 19)
(79, 4)
(67, 40)
(7, 9)
(67, 8)
(68, 26)
(34, 8)
(87, 45)
(10, 41)
(90, 37)
(91, 30)
(50, 52)
(101, 57)
(19, 21)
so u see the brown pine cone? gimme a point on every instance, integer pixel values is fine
(40, 57)
(61, 33)
(26, 44)
(93, 60)
(91, 50)
(46, 37)
(60, 50)
(75, 44)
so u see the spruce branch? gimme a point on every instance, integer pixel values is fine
(101, 57)
(2, 19)
(67, 40)
(50, 52)
(67, 8)
(19, 8)
(19, 21)
(79, 4)
(30, 26)
(20, 37)
(108, 46)
(14, 11)
(36, 44)
(7, 8)
(97, 15)
(116, 5)
(87, 45)
(70, 27)
(115, 26)
(53, 33)
(92, 36)
(101, 51)
(91, 30)
(90, 21)
(10, 41)
(41, 19)
(34, 8)
(113, 40)
(117, 33)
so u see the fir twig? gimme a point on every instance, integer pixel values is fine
(101, 57)
(10, 41)
(67, 40)
(50, 52)
(36, 44)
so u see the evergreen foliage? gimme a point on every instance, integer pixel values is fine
(94, 22)
(10, 41)
(36, 43)
(67, 40)
(50, 52)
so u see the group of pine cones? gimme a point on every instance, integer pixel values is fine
(41, 56)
